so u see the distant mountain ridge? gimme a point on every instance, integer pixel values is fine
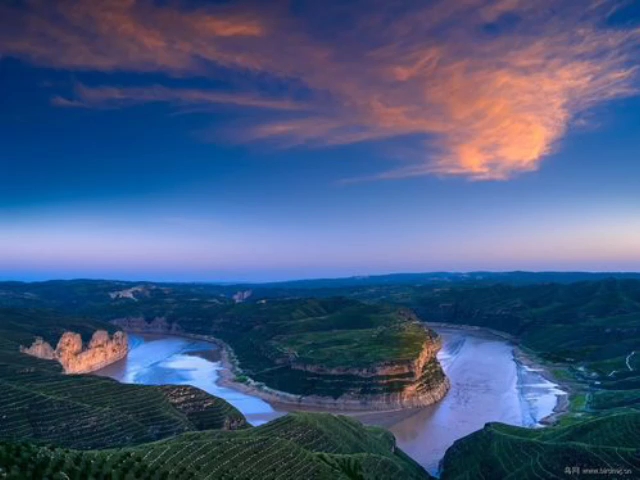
(516, 277)
(512, 277)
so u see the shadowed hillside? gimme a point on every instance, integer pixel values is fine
(310, 446)
(600, 448)
(81, 426)
(587, 334)
(327, 351)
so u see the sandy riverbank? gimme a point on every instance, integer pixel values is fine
(562, 401)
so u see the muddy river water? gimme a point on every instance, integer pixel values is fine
(487, 385)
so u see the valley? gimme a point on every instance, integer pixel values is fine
(361, 343)
(487, 386)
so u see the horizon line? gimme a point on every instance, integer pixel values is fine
(319, 279)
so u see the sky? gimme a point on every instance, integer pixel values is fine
(193, 140)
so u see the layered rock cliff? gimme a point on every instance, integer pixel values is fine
(389, 386)
(102, 350)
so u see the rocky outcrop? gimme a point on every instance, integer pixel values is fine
(412, 397)
(102, 350)
(241, 296)
(40, 349)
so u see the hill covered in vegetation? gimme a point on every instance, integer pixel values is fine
(591, 325)
(598, 448)
(40, 403)
(81, 426)
(317, 351)
(310, 446)
(587, 333)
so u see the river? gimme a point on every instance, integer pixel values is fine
(487, 385)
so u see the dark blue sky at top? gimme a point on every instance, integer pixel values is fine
(154, 190)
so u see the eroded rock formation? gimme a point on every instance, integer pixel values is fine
(102, 350)
(389, 386)
(40, 349)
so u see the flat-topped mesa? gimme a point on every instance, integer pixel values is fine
(386, 386)
(430, 349)
(102, 350)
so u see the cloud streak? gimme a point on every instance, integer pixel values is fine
(488, 87)
(116, 97)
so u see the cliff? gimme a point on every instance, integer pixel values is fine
(390, 386)
(70, 352)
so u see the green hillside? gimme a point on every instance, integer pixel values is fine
(590, 321)
(602, 448)
(82, 426)
(276, 341)
(586, 333)
(39, 403)
(309, 446)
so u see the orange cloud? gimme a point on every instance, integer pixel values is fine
(491, 86)
(130, 35)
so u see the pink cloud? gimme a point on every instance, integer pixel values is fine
(488, 106)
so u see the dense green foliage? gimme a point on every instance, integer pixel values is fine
(38, 402)
(328, 332)
(593, 329)
(589, 332)
(309, 446)
(81, 426)
(276, 339)
(268, 336)
(592, 322)
(586, 332)
(600, 448)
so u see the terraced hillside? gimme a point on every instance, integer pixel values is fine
(332, 351)
(591, 329)
(310, 446)
(54, 425)
(587, 333)
(38, 402)
(599, 448)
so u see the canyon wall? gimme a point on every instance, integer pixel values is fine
(102, 350)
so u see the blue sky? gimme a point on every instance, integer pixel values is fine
(231, 141)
